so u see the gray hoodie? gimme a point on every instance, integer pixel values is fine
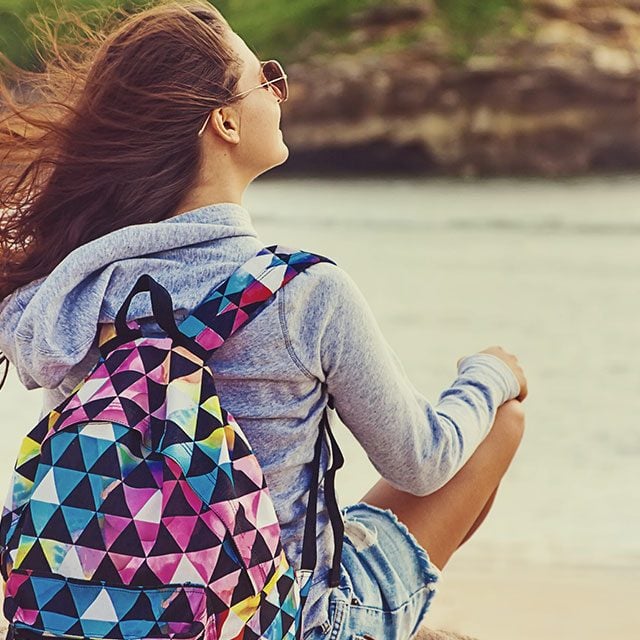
(270, 374)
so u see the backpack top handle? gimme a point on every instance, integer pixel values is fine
(162, 307)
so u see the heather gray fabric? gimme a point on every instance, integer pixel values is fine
(319, 329)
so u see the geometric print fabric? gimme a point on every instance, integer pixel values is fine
(138, 509)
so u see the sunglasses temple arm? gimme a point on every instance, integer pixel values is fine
(204, 126)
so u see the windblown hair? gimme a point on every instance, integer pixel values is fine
(106, 136)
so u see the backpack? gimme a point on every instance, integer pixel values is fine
(138, 509)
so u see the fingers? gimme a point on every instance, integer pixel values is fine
(512, 362)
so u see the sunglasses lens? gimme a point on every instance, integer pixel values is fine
(274, 74)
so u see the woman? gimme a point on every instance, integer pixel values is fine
(136, 161)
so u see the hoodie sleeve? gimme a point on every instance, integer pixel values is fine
(415, 445)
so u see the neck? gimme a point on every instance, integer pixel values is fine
(207, 194)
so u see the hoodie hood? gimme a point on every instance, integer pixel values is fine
(48, 326)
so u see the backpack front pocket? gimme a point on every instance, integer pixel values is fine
(41, 606)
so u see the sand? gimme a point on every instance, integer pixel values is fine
(523, 602)
(532, 603)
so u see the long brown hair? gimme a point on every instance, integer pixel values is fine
(106, 135)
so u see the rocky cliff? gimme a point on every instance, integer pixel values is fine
(556, 94)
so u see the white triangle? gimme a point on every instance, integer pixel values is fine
(101, 609)
(46, 490)
(151, 510)
(266, 513)
(71, 567)
(273, 278)
(257, 265)
(186, 572)
(100, 430)
(87, 390)
(223, 456)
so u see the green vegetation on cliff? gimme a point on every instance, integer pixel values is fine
(469, 20)
(275, 28)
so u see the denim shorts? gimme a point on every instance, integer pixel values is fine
(386, 584)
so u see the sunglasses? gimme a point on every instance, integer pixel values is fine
(275, 79)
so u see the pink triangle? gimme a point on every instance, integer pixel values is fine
(244, 543)
(133, 362)
(225, 586)
(271, 535)
(78, 415)
(147, 546)
(138, 392)
(14, 583)
(240, 319)
(147, 531)
(258, 574)
(137, 498)
(205, 562)
(90, 560)
(221, 519)
(160, 374)
(181, 528)
(113, 526)
(126, 565)
(250, 467)
(165, 566)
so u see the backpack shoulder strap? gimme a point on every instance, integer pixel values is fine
(244, 294)
(4, 363)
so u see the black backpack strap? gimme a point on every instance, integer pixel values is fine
(242, 296)
(4, 363)
(309, 550)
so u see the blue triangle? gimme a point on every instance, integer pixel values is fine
(157, 597)
(119, 430)
(66, 481)
(203, 486)
(97, 628)
(84, 596)
(98, 485)
(41, 472)
(60, 443)
(227, 467)
(57, 621)
(136, 628)
(45, 588)
(76, 519)
(239, 281)
(122, 601)
(92, 448)
(41, 513)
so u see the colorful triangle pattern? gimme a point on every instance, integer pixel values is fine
(137, 507)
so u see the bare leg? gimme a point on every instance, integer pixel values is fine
(443, 520)
(481, 517)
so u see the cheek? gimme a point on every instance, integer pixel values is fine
(263, 131)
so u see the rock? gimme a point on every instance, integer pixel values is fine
(614, 61)
(562, 99)
(385, 15)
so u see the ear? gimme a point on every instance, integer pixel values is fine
(226, 124)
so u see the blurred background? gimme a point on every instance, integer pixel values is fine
(473, 166)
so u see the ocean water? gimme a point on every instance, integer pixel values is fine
(550, 271)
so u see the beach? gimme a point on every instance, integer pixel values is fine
(550, 271)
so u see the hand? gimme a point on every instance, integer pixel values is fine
(512, 362)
